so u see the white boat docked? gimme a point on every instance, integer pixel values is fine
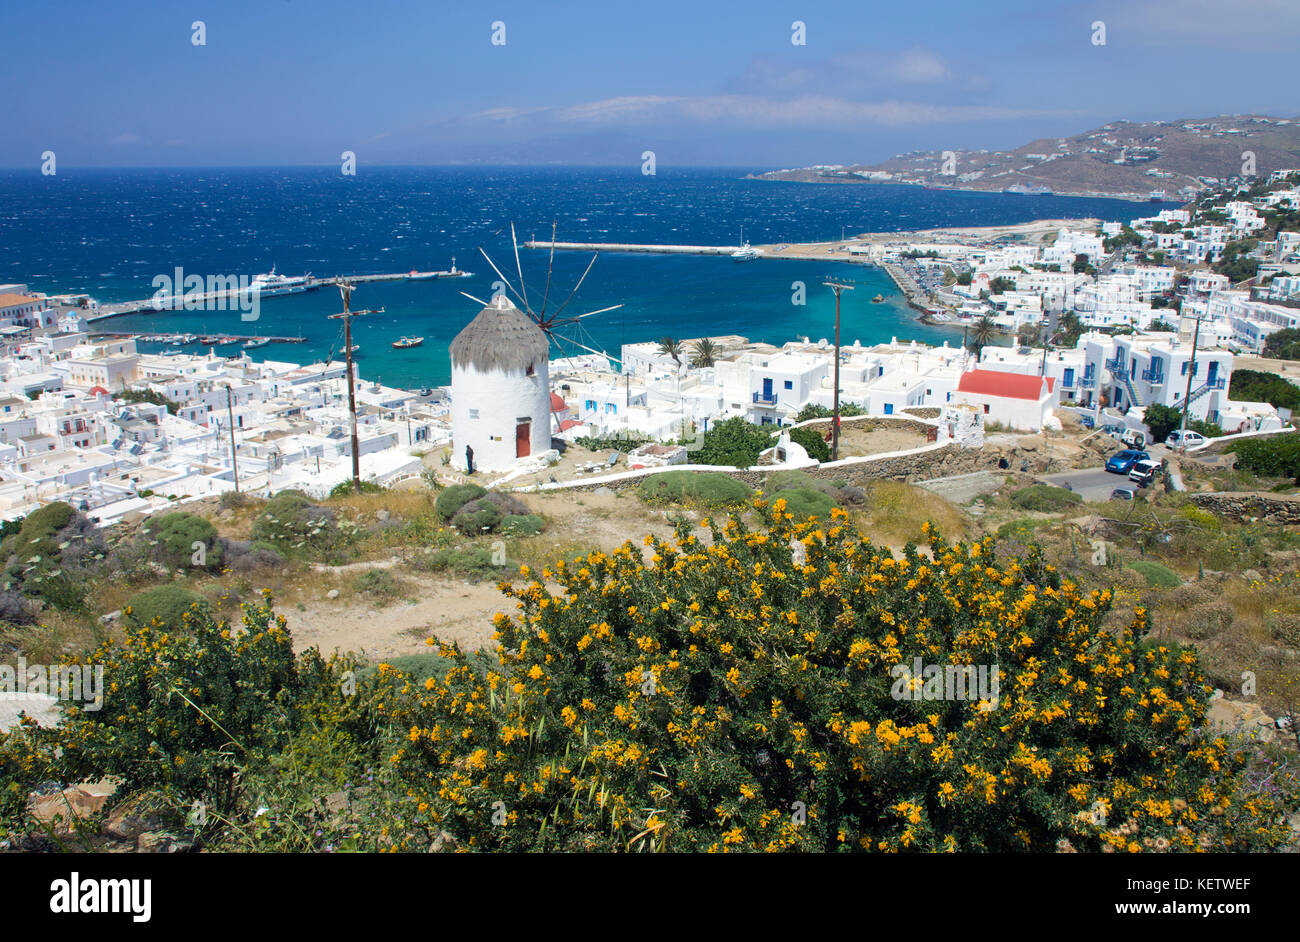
(272, 285)
(746, 253)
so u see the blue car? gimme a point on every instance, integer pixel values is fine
(1122, 462)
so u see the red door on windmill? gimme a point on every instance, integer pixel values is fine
(523, 439)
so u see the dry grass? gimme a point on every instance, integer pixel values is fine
(896, 511)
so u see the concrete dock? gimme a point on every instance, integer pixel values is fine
(634, 247)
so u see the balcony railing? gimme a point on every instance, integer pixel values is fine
(1154, 377)
(1115, 364)
(1215, 383)
(765, 398)
(1087, 382)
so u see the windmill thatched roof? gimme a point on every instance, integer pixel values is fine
(501, 337)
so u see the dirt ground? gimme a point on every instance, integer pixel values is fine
(858, 440)
(456, 610)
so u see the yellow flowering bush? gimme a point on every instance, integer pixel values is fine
(190, 709)
(739, 694)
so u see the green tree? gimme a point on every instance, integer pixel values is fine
(734, 442)
(1162, 420)
(1254, 386)
(811, 440)
(672, 348)
(982, 333)
(703, 353)
(1283, 344)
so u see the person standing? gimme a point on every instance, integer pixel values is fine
(469, 460)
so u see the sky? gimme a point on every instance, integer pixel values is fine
(121, 83)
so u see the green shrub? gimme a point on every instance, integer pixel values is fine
(522, 524)
(1156, 575)
(166, 603)
(293, 526)
(709, 488)
(453, 498)
(806, 503)
(38, 525)
(173, 535)
(378, 584)
(194, 714)
(1044, 497)
(735, 443)
(812, 442)
(478, 516)
(345, 489)
(473, 563)
(1276, 456)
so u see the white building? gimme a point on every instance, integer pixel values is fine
(500, 389)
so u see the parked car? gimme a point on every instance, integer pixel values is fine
(1192, 439)
(1143, 473)
(1122, 493)
(1122, 462)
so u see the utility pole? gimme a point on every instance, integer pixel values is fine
(230, 411)
(1187, 396)
(839, 287)
(345, 289)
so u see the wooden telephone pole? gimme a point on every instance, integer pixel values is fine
(345, 289)
(839, 287)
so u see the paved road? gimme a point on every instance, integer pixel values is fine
(1092, 484)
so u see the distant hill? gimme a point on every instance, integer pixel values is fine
(1123, 159)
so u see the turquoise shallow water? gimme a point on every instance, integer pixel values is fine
(110, 232)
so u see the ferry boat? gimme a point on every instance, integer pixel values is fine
(1156, 196)
(407, 342)
(271, 285)
(1027, 190)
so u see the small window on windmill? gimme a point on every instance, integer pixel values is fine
(473, 413)
(531, 371)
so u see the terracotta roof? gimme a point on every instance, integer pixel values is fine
(568, 424)
(557, 404)
(1004, 385)
(14, 300)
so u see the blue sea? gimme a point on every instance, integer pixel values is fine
(108, 233)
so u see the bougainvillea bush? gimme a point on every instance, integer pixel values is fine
(743, 694)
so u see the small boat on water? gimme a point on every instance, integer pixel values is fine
(878, 299)
(407, 342)
(746, 253)
(361, 313)
(256, 342)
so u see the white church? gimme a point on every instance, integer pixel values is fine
(500, 389)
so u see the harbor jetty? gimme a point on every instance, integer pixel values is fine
(155, 305)
(633, 247)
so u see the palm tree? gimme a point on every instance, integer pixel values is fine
(982, 334)
(673, 348)
(703, 353)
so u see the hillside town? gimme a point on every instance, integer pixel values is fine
(1155, 312)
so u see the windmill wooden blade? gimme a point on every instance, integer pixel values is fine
(550, 265)
(576, 318)
(503, 278)
(472, 298)
(577, 286)
(519, 268)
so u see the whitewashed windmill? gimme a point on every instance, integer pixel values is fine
(500, 381)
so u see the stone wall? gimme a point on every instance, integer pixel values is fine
(1271, 508)
(943, 461)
